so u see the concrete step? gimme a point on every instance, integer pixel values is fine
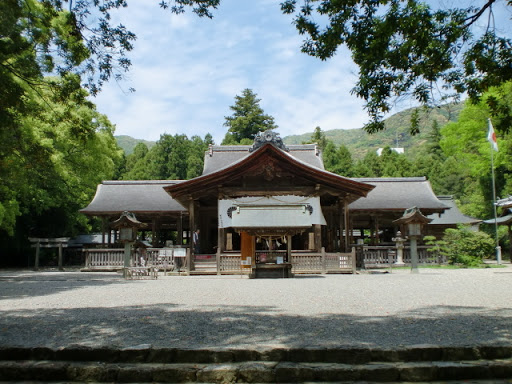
(146, 364)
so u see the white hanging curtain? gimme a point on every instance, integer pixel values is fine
(270, 212)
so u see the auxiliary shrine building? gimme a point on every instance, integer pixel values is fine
(266, 207)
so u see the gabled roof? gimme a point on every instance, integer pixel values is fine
(144, 196)
(220, 156)
(399, 194)
(452, 215)
(257, 159)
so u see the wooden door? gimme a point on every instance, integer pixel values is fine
(247, 249)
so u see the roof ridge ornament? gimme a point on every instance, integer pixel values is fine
(268, 137)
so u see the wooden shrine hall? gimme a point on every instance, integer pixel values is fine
(265, 209)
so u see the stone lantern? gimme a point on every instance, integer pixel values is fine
(413, 222)
(128, 225)
(399, 240)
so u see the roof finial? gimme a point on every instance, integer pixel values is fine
(268, 137)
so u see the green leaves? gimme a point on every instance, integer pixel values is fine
(247, 120)
(53, 154)
(172, 158)
(199, 7)
(405, 49)
(466, 247)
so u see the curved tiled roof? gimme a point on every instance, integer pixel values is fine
(222, 156)
(216, 177)
(144, 196)
(398, 193)
(452, 215)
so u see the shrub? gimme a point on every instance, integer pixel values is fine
(466, 247)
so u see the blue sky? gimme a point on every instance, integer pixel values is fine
(187, 71)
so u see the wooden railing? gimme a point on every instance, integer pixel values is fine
(229, 263)
(113, 258)
(323, 262)
(384, 256)
(302, 261)
(104, 258)
(306, 262)
(341, 262)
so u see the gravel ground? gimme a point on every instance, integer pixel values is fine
(387, 310)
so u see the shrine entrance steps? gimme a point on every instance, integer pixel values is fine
(491, 364)
(205, 265)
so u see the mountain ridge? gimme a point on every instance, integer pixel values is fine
(358, 141)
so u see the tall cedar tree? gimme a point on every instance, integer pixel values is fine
(248, 119)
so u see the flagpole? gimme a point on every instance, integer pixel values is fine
(498, 248)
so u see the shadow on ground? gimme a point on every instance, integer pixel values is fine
(16, 285)
(173, 326)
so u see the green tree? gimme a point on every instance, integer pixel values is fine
(319, 138)
(139, 153)
(406, 48)
(369, 166)
(60, 152)
(394, 164)
(467, 168)
(248, 119)
(66, 36)
(171, 158)
(338, 160)
(195, 157)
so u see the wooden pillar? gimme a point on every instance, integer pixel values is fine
(346, 225)
(318, 237)
(38, 248)
(372, 230)
(341, 226)
(192, 228)
(60, 255)
(220, 239)
(179, 225)
(289, 248)
(377, 238)
(103, 226)
(109, 236)
(154, 233)
(324, 267)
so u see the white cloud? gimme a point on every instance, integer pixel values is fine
(187, 71)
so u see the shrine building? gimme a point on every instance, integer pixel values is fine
(265, 208)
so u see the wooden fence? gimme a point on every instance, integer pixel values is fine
(230, 263)
(302, 261)
(323, 262)
(384, 256)
(113, 258)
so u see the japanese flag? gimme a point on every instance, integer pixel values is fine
(491, 136)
